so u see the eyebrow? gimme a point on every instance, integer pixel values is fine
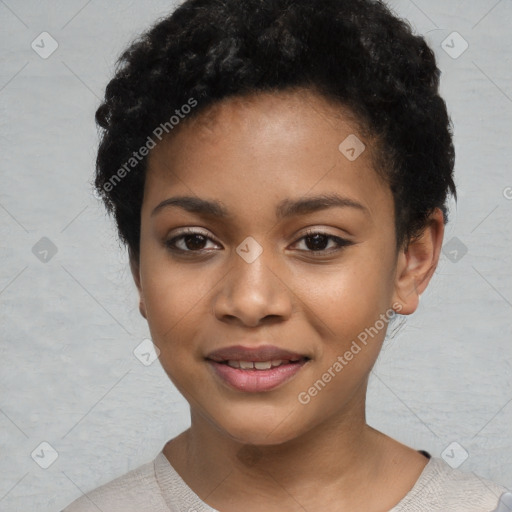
(285, 209)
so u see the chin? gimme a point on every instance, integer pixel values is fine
(259, 430)
(250, 436)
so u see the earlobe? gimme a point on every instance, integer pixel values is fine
(135, 269)
(417, 263)
(142, 308)
(405, 296)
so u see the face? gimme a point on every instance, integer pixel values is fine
(252, 270)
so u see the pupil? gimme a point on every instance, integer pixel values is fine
(191, 245)
(317, 244)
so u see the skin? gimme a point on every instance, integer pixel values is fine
(267, 451)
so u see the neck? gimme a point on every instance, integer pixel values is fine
(339, 453)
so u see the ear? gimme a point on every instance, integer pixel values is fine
(416, 264)
(135, 268)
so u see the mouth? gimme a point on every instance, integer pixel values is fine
(262, 365)
(254, 370)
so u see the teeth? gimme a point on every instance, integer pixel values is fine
(263, 365)
(260, 365)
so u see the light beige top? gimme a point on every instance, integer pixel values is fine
(157, 487)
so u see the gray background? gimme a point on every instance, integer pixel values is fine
(69, 325)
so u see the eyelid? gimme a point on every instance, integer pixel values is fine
(193, 231)
(321, 231)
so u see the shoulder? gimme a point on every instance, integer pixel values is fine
(441, 488)
(137, 490)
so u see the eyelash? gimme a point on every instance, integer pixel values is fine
(341, 242)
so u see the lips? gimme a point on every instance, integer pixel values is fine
(255, 369)
(254, 354)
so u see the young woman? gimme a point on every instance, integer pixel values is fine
(279, 172)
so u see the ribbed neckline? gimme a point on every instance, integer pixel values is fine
(174, 490)
(177, 493)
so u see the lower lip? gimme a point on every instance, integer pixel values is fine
(254, 381)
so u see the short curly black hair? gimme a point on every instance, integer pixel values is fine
(355, 53)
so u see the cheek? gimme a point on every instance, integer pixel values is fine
(172, 293)
(345, 309)
(349, 297)
(174, 303)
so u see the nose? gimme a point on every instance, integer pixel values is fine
(253, 293)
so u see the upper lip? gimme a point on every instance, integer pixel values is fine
(260, 353)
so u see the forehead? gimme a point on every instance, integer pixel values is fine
(256, 150)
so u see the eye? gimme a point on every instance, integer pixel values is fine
(189, 241)
(192, 241)
(318, 242)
